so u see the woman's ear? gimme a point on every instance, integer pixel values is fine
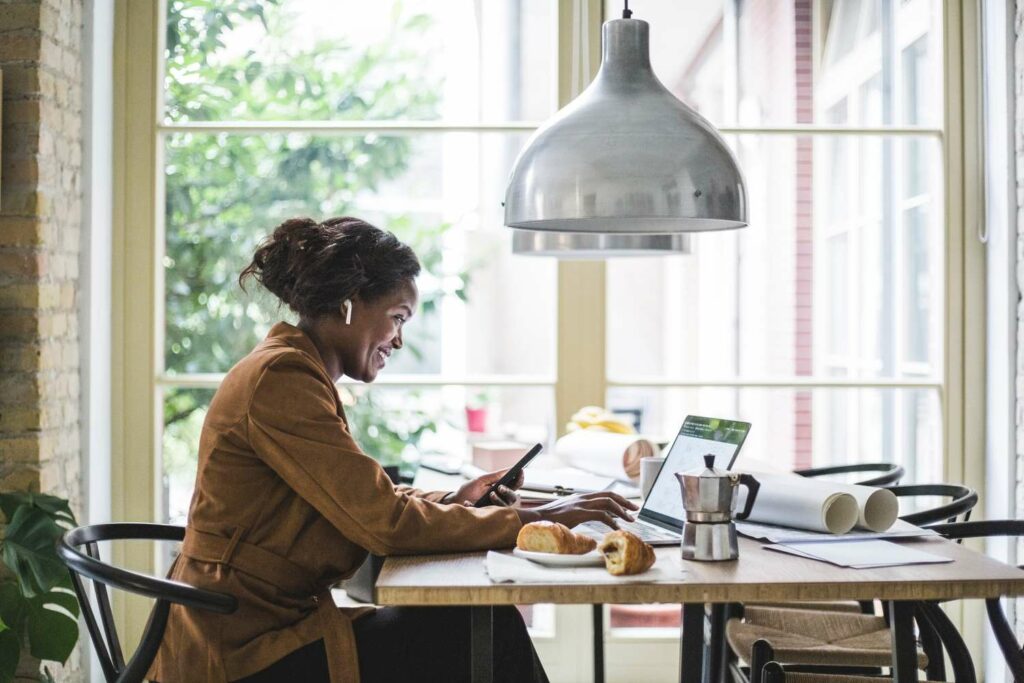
(346, 309)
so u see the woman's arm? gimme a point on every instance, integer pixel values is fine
(293, 425)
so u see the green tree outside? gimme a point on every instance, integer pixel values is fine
(226, 191)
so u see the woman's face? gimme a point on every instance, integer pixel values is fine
(376, 331)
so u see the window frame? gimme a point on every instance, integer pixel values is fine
(137, 286)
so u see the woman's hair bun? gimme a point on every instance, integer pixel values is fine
(312, 267)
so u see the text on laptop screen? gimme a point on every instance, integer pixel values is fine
(699, 436)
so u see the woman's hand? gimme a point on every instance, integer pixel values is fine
(602, 506)
(471, 491)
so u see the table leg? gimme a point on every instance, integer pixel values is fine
(716, 643)
(691, 655)
(598, 611)
(481, 644)
(904, 644)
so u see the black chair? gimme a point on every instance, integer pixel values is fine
(962, 500)
(88, 564)
(888, 473)
(1011, 649)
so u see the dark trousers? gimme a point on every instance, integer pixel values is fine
(418, 644)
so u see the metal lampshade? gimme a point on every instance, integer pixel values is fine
(625, 158)
(593, 245)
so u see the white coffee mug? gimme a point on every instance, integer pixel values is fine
(649, 468)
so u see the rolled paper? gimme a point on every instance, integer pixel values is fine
(879, 508)
(605, 453)
(800, 503)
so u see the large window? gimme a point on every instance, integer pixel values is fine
(824, 322)
(410, 118)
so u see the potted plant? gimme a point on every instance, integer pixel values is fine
(38, 608)
(476, 412)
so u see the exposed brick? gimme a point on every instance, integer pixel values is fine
(40, 228)
(23, 478)
(20, 232)
(20, 449)
(19, 326)
(18, 388)
(19, 296)
(21, 264)
(20, 80)
(20, 45)
(19, 16)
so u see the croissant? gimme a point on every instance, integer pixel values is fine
(552, 537)
(625, 553)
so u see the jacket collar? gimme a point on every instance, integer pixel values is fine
(286, 333)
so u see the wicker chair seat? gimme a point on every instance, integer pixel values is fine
(800, 636)
(849, 606)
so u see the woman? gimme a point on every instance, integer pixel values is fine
(286, 504)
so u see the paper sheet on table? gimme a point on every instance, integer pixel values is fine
(568, 479)
(820, 505)
(504, 568)
(861, 554)
(605, 453)
(779, 534)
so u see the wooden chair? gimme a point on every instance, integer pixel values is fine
(103, 633)
(845, 641)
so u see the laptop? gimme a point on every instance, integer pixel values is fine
(660, 520)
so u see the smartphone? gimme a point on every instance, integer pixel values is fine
(510, 477)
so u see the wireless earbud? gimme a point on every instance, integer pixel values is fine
(347, 305)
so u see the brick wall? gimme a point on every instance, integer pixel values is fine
(40, 226)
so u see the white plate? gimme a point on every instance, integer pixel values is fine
(591, 559)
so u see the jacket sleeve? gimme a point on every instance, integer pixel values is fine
(432, 496)
(293, 425)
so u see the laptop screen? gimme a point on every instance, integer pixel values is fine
(697, 437)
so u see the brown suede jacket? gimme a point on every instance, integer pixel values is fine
(286, 505)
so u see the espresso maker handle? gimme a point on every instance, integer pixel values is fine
(752, 486)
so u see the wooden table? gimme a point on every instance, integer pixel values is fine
(759, 575)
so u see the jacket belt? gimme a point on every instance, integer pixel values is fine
(336, 627)
(248, 558)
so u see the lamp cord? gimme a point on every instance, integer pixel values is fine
(627, 13)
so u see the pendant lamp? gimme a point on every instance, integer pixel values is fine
(596, 245)
(624, 159)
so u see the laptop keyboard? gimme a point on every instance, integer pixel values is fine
(646, 532)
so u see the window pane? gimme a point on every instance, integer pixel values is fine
(440, 192)
(755, 62)
(396, 425)
(805, 289)
(184, 412)
(808, 427)
(384, 60)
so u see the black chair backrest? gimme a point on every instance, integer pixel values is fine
(962, 501)
(1001, 628)
(89, 565)
(888, 473)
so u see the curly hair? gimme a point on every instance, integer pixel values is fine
(312, 267)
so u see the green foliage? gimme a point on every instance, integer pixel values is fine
(37, 605)
(225, 192)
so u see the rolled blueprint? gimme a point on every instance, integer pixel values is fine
(605, 453)
(879, 508)
(793, 501)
